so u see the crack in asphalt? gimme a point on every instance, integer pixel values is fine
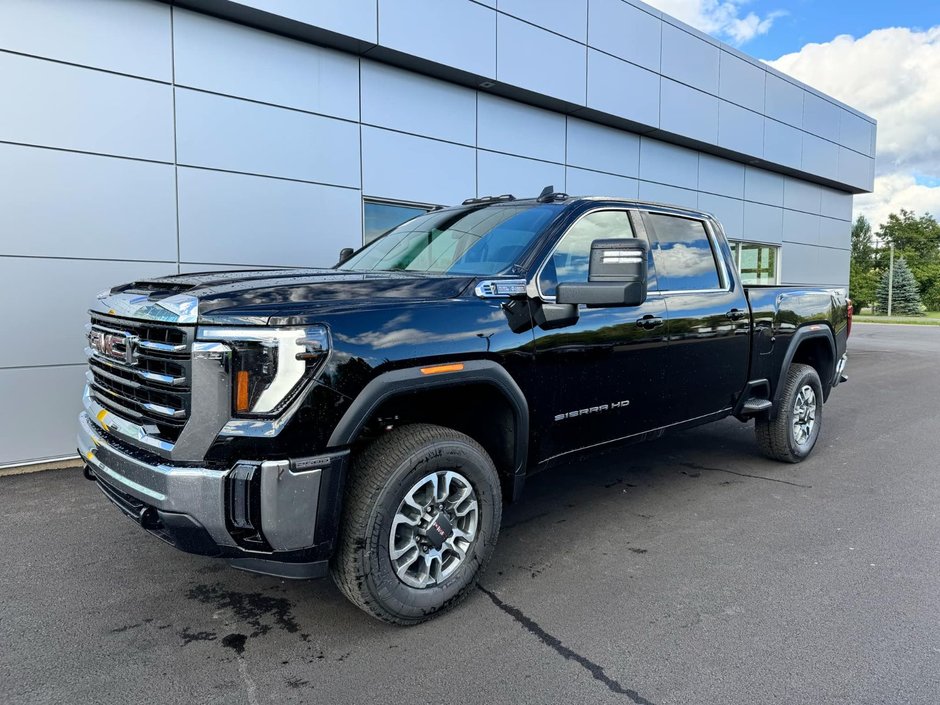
(695, 466)
(596, 670)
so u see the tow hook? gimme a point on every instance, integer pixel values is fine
(149, 519)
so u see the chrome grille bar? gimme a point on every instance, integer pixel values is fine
(144, 374)
(140, 370)
(161, 347)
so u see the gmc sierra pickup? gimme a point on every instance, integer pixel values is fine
(370, 420)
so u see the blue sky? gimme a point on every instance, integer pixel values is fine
(885, 63)
(815, 21)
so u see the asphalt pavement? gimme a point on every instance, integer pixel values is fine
(686, 570)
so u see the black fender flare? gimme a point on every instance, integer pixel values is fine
(805, 332)
(409, 379)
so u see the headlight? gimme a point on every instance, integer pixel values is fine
(270, 365)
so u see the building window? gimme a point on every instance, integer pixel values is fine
(757, 263)
(378, 217)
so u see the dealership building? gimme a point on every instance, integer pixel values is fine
(140, 138)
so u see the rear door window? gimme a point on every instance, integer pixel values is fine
(685, 259)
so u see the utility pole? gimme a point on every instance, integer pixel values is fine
(891, 280)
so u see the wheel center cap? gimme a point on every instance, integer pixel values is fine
(439, 531)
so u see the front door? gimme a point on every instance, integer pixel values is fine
(709, 345)
(604, 374)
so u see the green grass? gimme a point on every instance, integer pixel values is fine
(930, 318)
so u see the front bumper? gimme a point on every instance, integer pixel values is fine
(295, 502)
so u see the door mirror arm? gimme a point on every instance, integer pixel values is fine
(550, 316)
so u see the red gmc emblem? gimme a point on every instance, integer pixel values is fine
(116, 346)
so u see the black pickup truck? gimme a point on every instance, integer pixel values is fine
(370, 420)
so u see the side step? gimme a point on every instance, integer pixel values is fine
(755, 406)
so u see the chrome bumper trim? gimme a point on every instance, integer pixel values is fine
(132, 432)
(197, 492)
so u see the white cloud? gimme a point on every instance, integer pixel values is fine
(687, 260)
(893, 75)
(894, 192)
(721, 18)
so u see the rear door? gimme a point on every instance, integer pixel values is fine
(708, 323)
(603, 376)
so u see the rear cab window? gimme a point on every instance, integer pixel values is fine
(684, 253)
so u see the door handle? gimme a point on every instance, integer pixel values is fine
(649, 322)
(736, 314)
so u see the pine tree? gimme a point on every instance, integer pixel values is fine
(863, 273)
(905, 299)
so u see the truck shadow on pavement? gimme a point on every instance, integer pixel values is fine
(618, 485)
(620, 505)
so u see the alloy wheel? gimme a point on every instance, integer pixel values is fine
(434, 528)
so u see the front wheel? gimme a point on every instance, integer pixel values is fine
(790, 436)
(421, 516)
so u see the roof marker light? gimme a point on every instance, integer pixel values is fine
(437, 369)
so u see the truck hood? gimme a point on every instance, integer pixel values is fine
(255, 296)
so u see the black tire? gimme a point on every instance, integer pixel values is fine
(380, 477)
(777, 439)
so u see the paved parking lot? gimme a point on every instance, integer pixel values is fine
(687, 570)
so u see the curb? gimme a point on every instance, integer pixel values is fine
(895, 323)
(62, 464)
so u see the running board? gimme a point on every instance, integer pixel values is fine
(755, 406)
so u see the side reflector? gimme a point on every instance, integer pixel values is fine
(241, 391)
(437, 369)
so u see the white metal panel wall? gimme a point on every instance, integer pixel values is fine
(261, 151)
(502, 173)
(739, 129)
(602, 148)
(228, 59)
(627, 32)
(452, 32)
(240, 219)
(622, 89)
(541, 47)
(354, 18)
(399, 100)
(132, 38)
(55, 203)
(513, 128)
(49, 394)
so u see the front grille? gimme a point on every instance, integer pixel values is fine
(154, 389)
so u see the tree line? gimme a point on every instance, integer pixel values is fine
(916, 282)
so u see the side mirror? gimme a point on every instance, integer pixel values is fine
(345, 254)
(616, 275)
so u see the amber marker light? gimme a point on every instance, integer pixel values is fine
(241, 391)
(437, 369)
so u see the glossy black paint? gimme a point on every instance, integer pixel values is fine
(588, 376)
(606, 376)
(677, 357)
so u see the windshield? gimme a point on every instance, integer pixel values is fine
(479, 241)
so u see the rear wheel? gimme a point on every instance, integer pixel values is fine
(421, 516)
(791, 436)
